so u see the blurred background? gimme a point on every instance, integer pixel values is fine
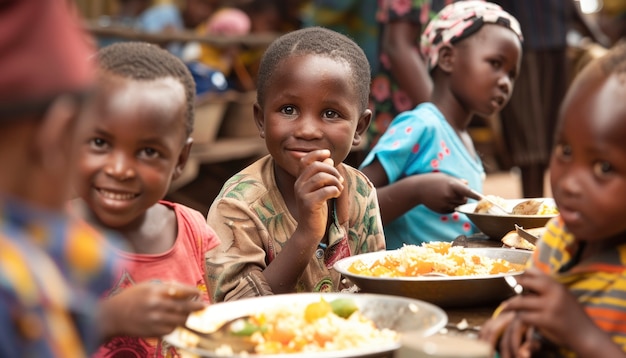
(221, 41)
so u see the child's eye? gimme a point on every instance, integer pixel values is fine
(329, 113)
(288, 110)
(602, 168)
(563, 151)
(496, 64)
(149, 153)
(97, 143)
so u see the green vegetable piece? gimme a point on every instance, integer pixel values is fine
(246, 328)
(343, 307)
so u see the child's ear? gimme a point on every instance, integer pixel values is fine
(446, 58)
(182, 159)
(361, 127)
(259, 119)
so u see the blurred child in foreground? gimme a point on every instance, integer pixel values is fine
(425, 164)
(287, 218)
(574, 300)
(52, 268)
(136, 141)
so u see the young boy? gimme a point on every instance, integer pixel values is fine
(286, 219)
(136, 141)
(574, 293)
(52, 268)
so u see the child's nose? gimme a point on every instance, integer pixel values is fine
(119, 167)
(570, 182)
(308, 127)
(505, 82)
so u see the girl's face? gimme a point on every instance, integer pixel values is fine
(132, 146)
(310, 104)
(588, 165)
(485, 67)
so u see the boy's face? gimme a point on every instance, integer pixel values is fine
(588, 166)
(310, 104)
(132, 146)
(484, 69)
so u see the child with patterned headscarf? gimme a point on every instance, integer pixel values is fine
(425, 164)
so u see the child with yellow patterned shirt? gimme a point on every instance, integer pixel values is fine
(574, 298)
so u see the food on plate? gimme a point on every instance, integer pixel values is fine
(513, 239)
(319, 326)
(484, 206)
(547, 209)
(526, 207)
(430, 259)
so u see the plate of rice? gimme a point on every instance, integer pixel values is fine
(445, 275)
(366, 325)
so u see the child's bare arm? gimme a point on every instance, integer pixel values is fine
(318, 182)
(439, 192)
(147, 310)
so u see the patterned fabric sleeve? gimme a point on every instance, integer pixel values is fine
(554, 249)
(598, 282)
(234, 269)
(367, 228)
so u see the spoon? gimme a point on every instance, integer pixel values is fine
(234, 333)
(512, 282)
(495, 209)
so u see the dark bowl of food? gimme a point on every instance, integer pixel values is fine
(446, 291)
(495, 225)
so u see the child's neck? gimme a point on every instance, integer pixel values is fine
(459, 119)
(153, 233)
(592, 248)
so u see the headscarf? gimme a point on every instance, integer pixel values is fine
(43, 53)
(460, 20)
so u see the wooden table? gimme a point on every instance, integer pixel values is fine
(475, 316)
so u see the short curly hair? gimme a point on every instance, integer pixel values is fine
(145, 61)
(318, 41)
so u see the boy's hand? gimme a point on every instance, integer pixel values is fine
(318, 181)
(551, 309)
(442, 193)
(507, 333)
(148, 309)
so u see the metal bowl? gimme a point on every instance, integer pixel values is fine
(496, 226)
(452, 291)
(400, 314)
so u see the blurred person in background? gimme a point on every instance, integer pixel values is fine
(168, 16)
(353, 18)
(210, 65)
(162, 16)
(401, 81)
(529, 119)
